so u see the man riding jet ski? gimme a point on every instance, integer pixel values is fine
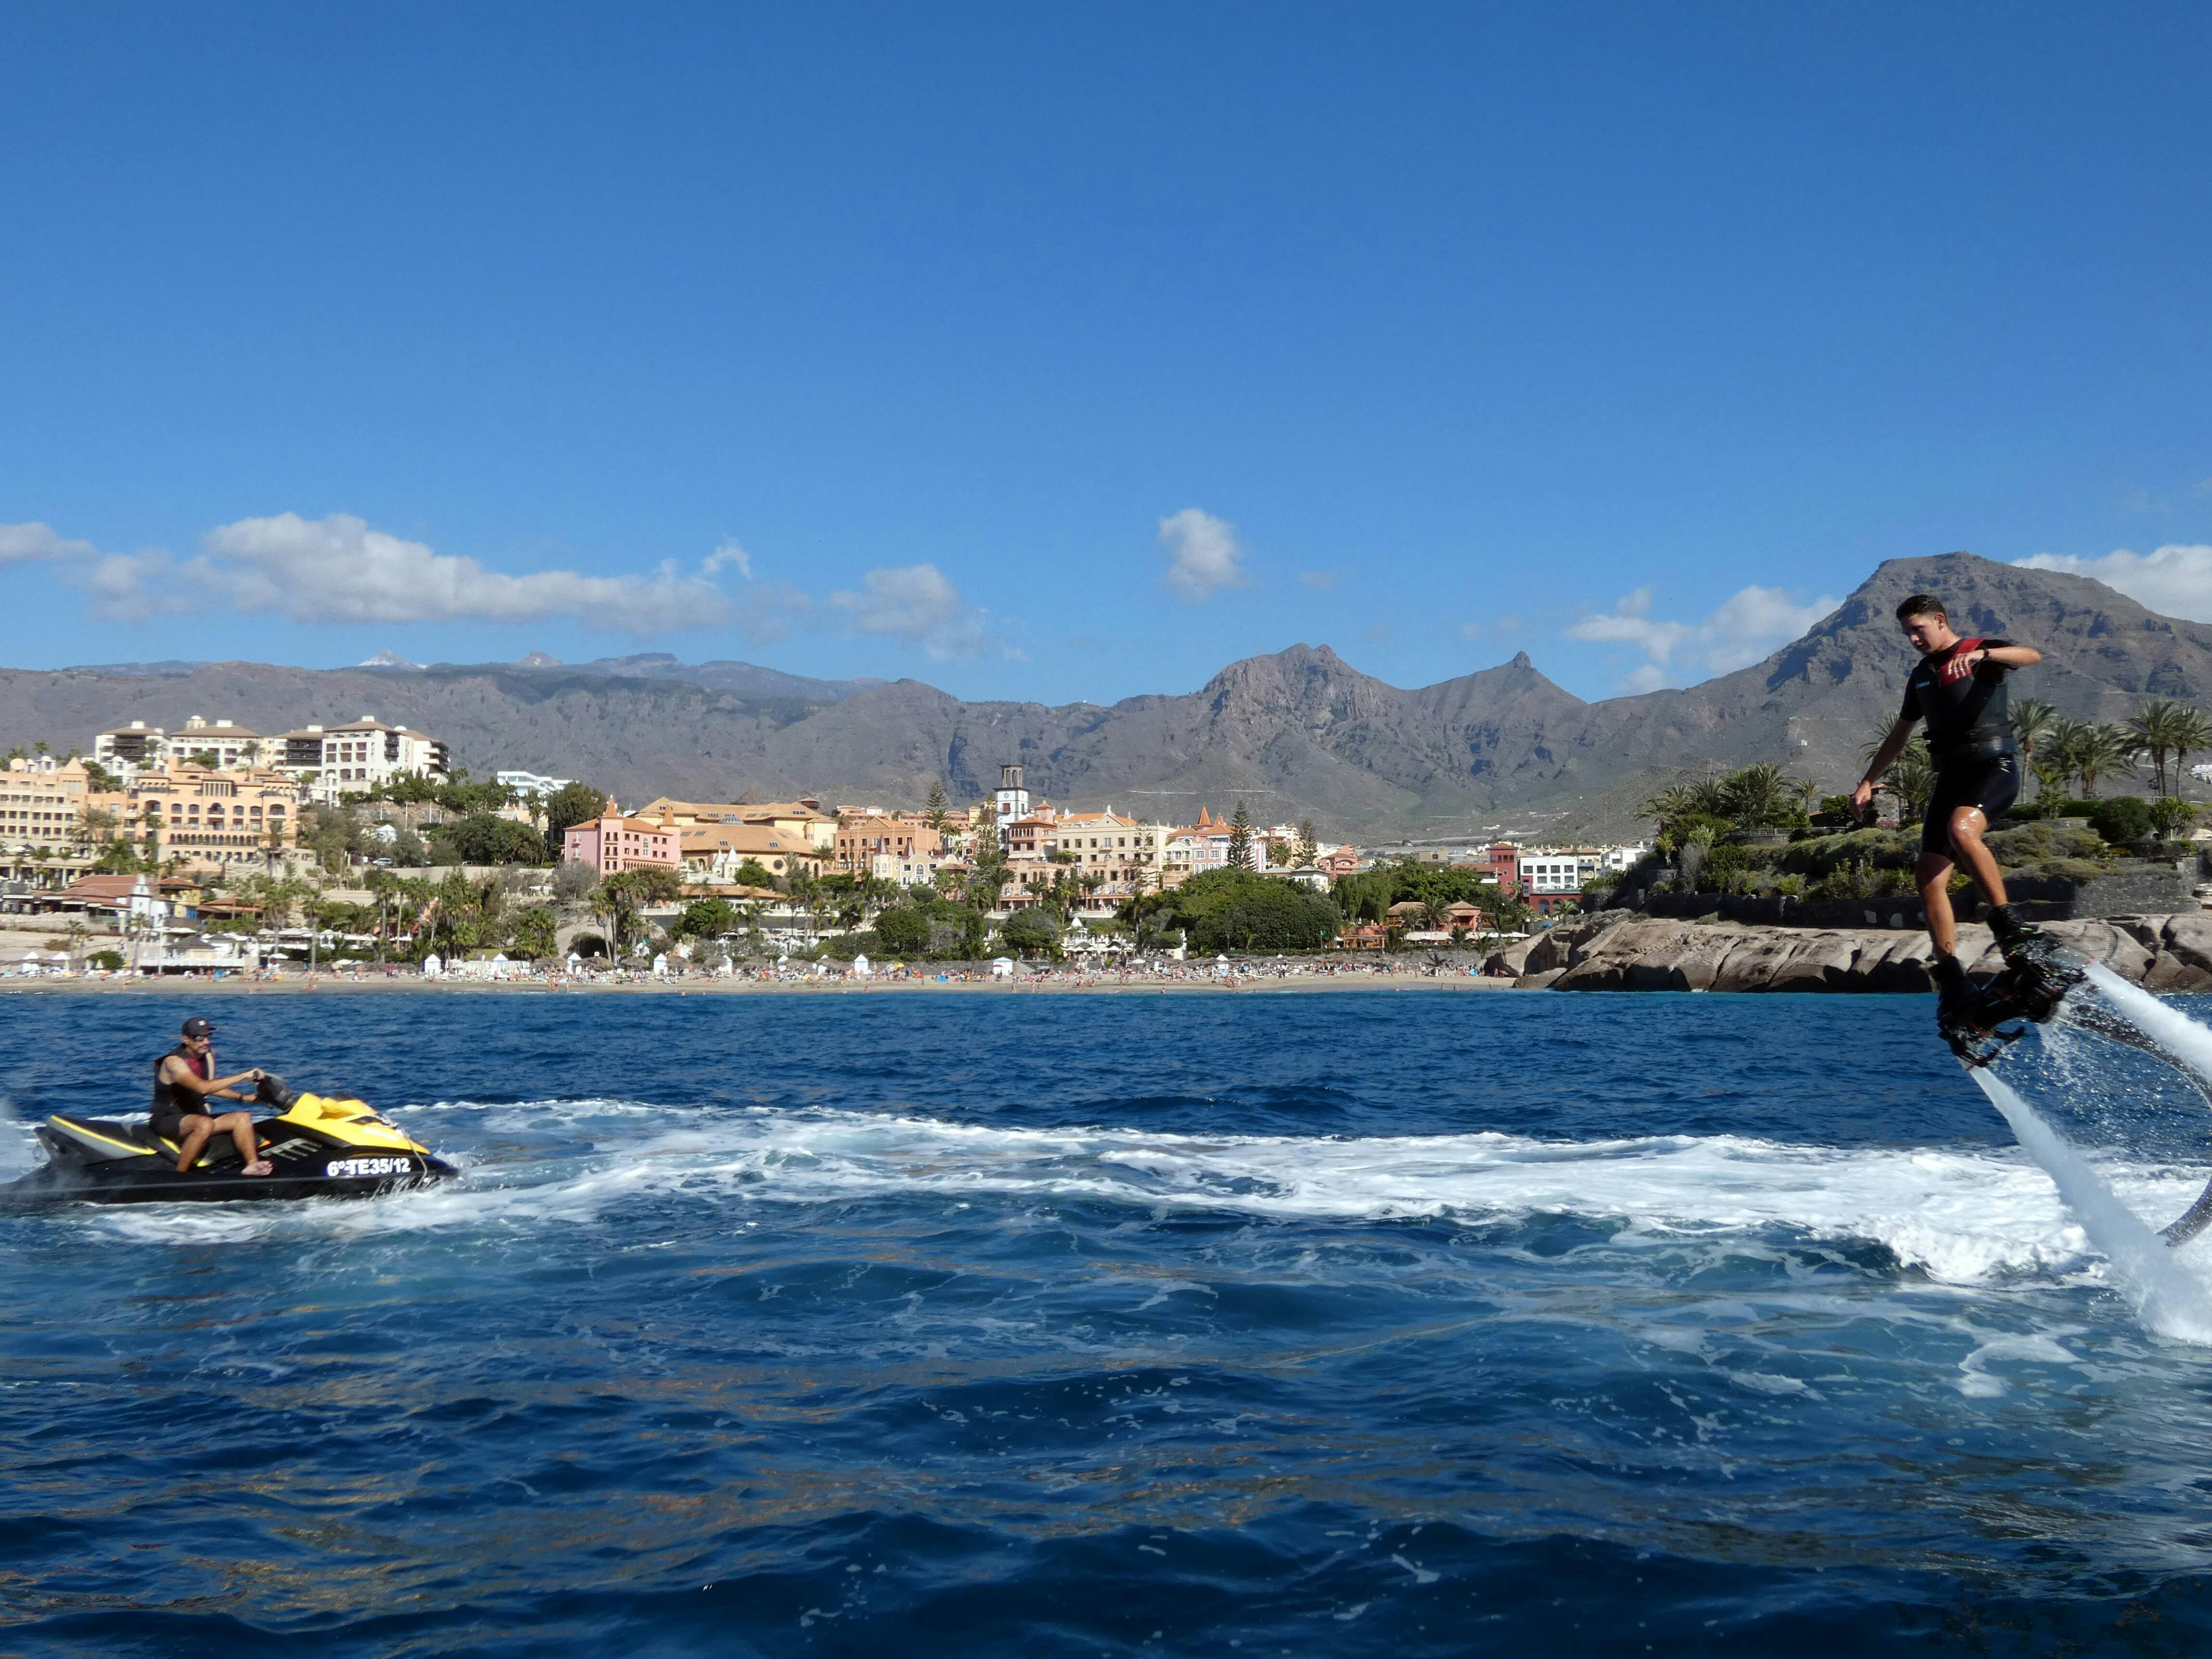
(313, 1147)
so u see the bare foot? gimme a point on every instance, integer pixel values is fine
(261, 1166)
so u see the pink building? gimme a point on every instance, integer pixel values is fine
(612, 844)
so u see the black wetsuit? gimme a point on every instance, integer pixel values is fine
(1969, 736)
(173, 1103)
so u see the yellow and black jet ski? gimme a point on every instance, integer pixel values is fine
(322, 1146)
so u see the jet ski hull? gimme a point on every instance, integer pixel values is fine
(320, 1148)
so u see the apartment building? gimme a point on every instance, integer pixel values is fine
(1116, 849)
(42, 807)
(342, 760)
(211, 819)
(125, 750)
(354, 758)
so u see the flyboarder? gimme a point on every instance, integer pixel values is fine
(1958, 689)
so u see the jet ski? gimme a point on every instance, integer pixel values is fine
(323, 1147)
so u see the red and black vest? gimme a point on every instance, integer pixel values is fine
(167, 1097)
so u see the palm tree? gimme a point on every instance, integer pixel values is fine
(2102, 751)
(2160, 729)
(1758, 795)
(2192, 732)
(1913, 776)
(2032, 723)
(1670, 805)
(2062, 745)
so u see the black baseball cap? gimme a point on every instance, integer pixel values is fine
(197, 1027)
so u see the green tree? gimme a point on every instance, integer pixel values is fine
(707, 918)
(1307, 849)
(933, 814)
(2193, 736)
(329, 833)
(1913, 777)
(570, 805)
(2101, 751)
(1240, 838)
(95, 825)
(484, 838)
(621, 897)
(1233, 909)
(535, 931)
(753, 873)
(2123, 820)
(1759, 796)
(2161, 729)
(904, 928)
(2172, 816)
(2032, 721)
(986, 875)
(1032, 933)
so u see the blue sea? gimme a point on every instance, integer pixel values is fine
(1381, 1322)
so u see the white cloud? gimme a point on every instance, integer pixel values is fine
(116, 581)
(28, 543)
(1748, 624)
(338, 569)
(730, 554)
(2176, 581)
(1202, 553)
(917, 603)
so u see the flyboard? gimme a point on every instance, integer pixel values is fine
(2039, 982)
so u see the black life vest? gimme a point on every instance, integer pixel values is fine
(168, 1097)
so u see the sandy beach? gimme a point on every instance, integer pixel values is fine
(715, 985)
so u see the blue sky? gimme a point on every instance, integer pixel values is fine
(1058, 353)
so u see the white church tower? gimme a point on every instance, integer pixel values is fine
(1012, 802)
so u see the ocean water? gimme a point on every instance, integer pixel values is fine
(1393, 1323)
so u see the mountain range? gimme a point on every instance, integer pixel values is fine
(1299, 733)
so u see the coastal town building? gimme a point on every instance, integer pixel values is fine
(802, 819)
(716, 852)
(531, 785)
(1010, 804)
(1110, 855)
(222, 744)
(885, 844)
(208, 819)
(43, 802)
(352, 759)
(330, 761)
(611, 843)
(1203, 847)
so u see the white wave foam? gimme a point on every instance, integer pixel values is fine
(1962, 1216)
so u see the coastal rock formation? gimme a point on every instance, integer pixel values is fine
(2162, 953)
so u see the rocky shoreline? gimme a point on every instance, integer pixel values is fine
(1634, 953)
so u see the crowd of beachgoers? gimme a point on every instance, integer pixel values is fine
(802, 974)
